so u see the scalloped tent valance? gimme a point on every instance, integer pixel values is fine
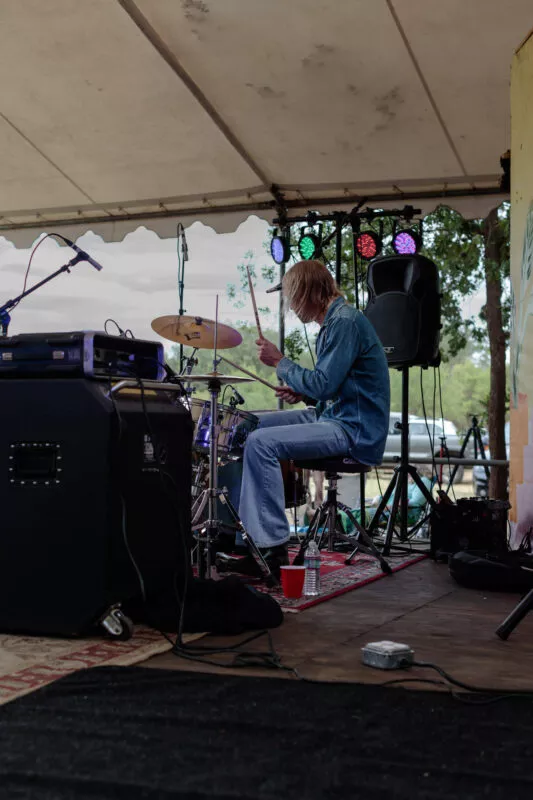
(115, 113)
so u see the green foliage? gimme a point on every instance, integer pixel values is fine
(295, 345)
(258, 397)
(239, 292)
(465, 391)
(456, 246)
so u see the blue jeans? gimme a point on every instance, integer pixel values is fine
(280, 435)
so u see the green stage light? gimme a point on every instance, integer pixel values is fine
(309, 246)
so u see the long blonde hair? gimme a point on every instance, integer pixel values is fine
(308, 287)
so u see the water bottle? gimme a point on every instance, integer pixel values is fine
(312, 570)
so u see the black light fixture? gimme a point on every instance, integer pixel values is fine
(280, 248)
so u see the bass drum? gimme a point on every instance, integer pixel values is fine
(295, 483)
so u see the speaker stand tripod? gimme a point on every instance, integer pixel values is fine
(399, 482)
(210, 528)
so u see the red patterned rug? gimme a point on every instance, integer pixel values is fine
(29, 662)
(336, 578)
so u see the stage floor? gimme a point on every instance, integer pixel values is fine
(420, 606)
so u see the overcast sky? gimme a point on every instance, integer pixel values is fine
(138, 281)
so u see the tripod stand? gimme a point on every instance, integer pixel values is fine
(475, 432)
(399, 481)
(517, 615)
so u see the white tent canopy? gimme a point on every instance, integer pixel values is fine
(116, 113)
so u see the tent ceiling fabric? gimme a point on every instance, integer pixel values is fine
(115, 113)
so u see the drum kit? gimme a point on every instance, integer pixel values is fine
(220, 431)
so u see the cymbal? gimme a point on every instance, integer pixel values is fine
(196, 332)
(192, 378)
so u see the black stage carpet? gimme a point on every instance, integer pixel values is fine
(145, 733)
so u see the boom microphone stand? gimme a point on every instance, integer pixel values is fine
(5, 317)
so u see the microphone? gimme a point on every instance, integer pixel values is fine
(184, 248)
(83, 256)
(171, 375)
(239, 398)
(276, 288)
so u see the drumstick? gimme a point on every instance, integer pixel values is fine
(254, 303)
(247, 372)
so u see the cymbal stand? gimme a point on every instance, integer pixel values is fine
(209, 529)
(187, 365)
(189, 362)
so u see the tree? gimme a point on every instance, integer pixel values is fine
(471, 254)
(496, 241)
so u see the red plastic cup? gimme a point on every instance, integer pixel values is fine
(292, 581)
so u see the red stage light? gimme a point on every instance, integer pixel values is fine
(368, 245)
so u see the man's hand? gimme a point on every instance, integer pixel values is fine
(268, 353)
(289, 395)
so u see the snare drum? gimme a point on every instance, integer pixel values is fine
(233, 427)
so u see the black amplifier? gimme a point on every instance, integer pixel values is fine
(76, 354)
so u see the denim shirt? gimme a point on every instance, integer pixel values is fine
(350, 380)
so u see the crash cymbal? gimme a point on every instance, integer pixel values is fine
(192, 378)
(196, 332)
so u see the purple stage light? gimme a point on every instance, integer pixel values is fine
(406, 243)
(280, 249)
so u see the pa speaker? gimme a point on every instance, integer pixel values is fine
(94, 501)
(404, 308)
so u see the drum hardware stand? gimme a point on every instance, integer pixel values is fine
(210, 527)
(327, 525)
(295, 496)
(189, 363)
(181, 278)
(186, 367)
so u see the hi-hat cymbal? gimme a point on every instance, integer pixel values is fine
(192, 378)
(196, 332)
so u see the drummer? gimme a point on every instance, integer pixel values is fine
(350, 384)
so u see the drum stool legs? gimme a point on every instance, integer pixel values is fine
(326, 526)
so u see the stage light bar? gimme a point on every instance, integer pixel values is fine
(368, 245)
(309, 246)
(406, 243)
(280, 249)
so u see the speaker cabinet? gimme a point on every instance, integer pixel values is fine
(404, 308)
(82, 498)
